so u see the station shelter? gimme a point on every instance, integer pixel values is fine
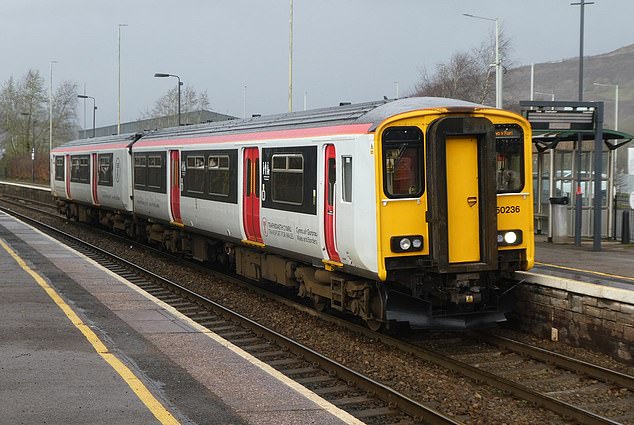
(556, 175)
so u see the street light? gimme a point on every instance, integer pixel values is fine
(119, 65)
(498, 63)
(161, 75)
(290, 58)
(94, 111)
(50, 110)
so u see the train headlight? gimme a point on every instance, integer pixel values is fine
(509, 237)
(410, 243)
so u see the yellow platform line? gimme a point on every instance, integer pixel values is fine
(157, 409)
(586, 271)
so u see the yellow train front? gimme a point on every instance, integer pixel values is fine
(454, 213)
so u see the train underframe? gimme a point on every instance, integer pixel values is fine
(417, 296)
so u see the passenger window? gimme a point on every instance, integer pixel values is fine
(154, 172)
(105, 169)
(195, 176)
(509, 146)
(80, 169)
(59, 168)
(219, 177)
(140, 171)
(347, 178)
(403, 162)
(287, 179)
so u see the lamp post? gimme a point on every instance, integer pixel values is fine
(119, 79)
(94, 111)
(498, 62)
(50, 109)
(161, 75)
(290, 58)
(579, 194)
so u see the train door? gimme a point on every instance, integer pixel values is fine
(329, 202)
(462, 194)
(94, 179)
(175, 187)
(67, 177)
(463, 217)
(251, 194)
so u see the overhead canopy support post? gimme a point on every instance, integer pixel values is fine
(598, 164)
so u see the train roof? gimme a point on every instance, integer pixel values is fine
(104, 140)
(371, 113)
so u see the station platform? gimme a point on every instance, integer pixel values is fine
(614, 258)
(606, 274)
(80, 345)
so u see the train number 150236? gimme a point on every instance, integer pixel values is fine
(510, 209)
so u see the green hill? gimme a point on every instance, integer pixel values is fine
(561, 78)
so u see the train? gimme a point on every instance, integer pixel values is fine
(400, 211)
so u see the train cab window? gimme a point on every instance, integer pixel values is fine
(219, 176)
(509, 148)
(347, 178)
(155, 172)
(287, 179)
(195, 181)
(59, 168)
(140, 171)
(105, 169)
(80, 169)
(403, 162)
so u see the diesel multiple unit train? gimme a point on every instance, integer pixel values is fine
(412, 210)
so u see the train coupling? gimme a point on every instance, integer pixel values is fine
(420, 314)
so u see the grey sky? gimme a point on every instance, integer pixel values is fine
(344, 50)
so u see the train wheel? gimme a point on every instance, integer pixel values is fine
(378, 301)
(319, 303)
(374, 325)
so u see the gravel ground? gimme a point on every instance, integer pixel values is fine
(452, 394)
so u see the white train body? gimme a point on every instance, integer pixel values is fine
(390, 210)
(94, 174)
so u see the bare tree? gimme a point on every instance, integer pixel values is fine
(466, 75)
(24, 123)
(165, 109)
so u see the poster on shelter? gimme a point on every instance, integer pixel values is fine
(630, 161)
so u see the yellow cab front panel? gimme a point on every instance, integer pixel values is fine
(450, 183)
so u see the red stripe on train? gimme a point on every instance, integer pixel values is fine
(249, 137)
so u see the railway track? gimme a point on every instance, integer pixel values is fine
(362, 397)
(577, 391)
